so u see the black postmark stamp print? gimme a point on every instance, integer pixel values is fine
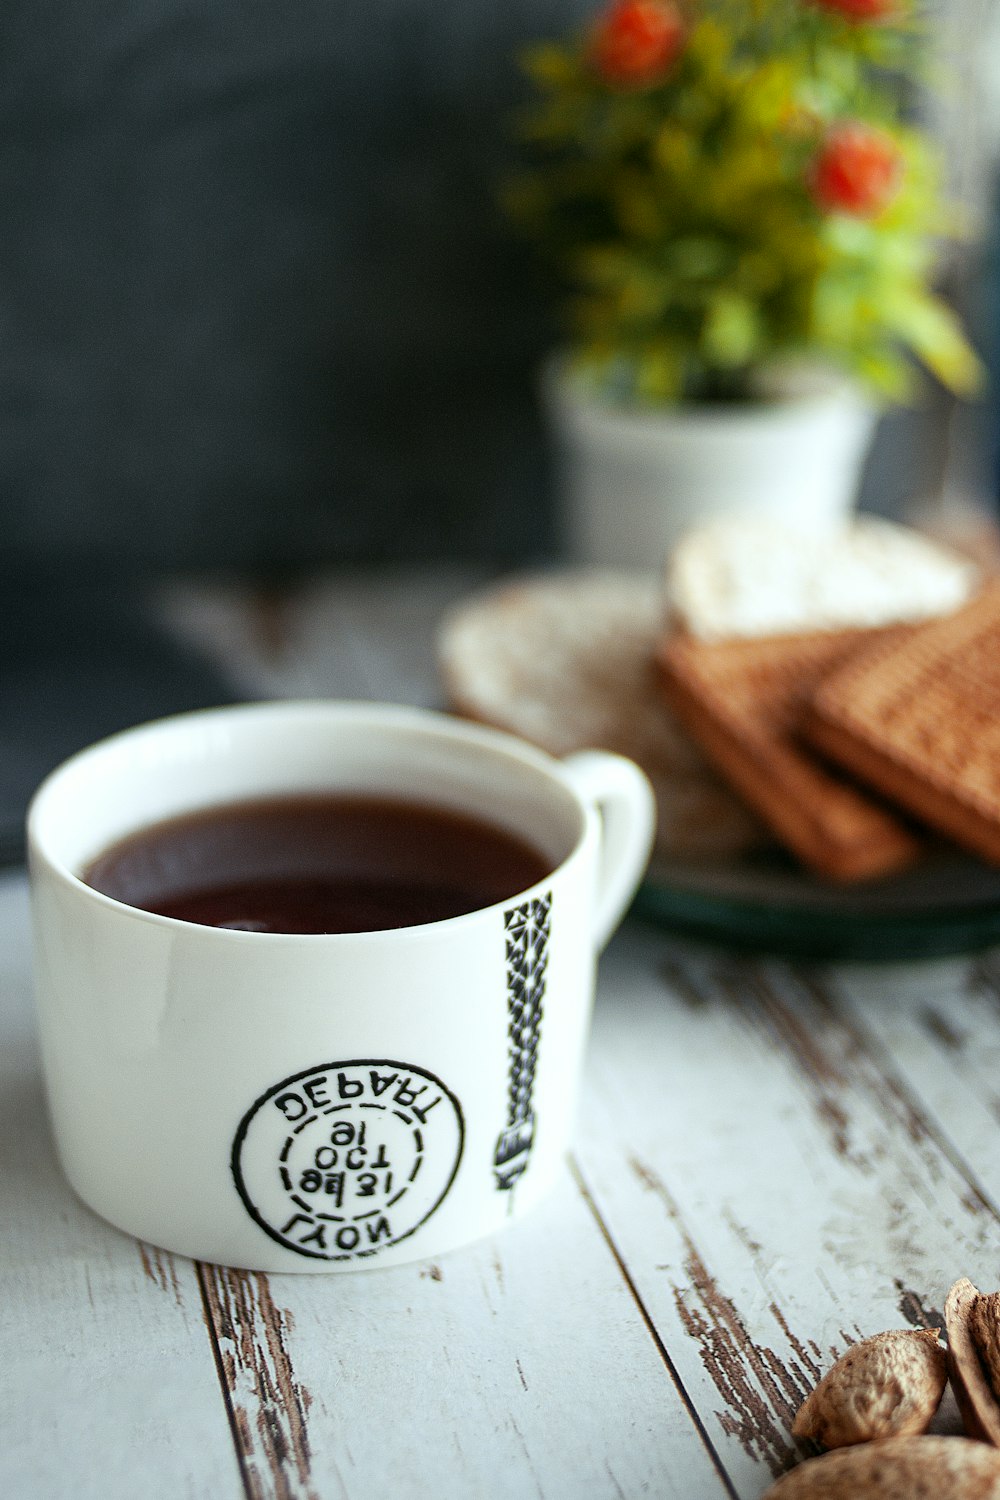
(340, 1161)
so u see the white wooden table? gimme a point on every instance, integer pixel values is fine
(770, 1162)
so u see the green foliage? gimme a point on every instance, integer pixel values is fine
(683, 218)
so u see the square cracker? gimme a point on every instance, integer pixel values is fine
(919, 718)
(743, 701)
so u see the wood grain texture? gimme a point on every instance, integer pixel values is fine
(267, 1407)
(774, 1188)
(520, 1367)
(936, 1026)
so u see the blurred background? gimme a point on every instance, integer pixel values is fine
(261, 315)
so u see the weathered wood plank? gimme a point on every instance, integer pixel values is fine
(267, 1404)
(366, 634)
(771, 1190)
(519, 1367)
(937, 1025)
(107, 1384)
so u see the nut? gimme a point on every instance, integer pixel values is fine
(886, 1386)
(899, 1468)
(973, 1324)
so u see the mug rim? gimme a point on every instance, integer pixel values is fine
(403, 716)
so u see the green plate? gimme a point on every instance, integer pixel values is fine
(949, 905)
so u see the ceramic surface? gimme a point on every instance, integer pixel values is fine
(323, 1102)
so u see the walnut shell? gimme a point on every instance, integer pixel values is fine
(889, 1385)
(973, 1324)
(899, 1468)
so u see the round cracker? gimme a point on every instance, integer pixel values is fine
(565, 660)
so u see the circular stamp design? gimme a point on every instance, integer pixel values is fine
(340, 1161)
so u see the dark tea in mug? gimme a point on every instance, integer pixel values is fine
(317, 864)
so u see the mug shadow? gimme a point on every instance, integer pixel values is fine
(37, 1204)
(30, 1167)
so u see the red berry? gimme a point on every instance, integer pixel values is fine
(636, 41)
(857, 170)
(861, 10)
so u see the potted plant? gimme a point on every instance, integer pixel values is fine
(747, 230)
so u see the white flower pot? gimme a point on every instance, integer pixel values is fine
(631, 481)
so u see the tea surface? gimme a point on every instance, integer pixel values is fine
(317, 864)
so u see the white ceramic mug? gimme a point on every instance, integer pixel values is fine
(288, 1102)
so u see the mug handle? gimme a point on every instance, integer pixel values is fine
(624, 798)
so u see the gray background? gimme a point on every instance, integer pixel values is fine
(258, 305)
(257, 300)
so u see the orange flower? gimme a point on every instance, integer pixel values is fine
(861, 10)
(636, 41)
(857, 171)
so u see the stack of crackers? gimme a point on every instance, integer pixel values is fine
(838, 695)
(848, 689)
